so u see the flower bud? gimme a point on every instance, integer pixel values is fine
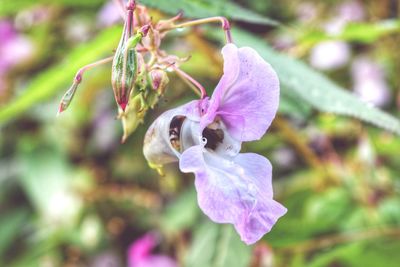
(69, 95)
(159, 80)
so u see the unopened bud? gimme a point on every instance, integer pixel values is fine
(144, 30)
(69, 95)
(159, 80)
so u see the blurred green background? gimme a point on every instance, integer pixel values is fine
(72, 195)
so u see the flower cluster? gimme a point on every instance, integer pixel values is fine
(139, 65)
(204, 135)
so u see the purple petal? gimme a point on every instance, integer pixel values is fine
(109, 15)
(140, 253)
(142, 247)
(155, 261)
(247, 95)
(234, 190)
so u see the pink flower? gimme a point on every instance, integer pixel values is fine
(139, 254)
(369, 82)
(109, 14)
(14, 48)
(329, 55)
(206, 135)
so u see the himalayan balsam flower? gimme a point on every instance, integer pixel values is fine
(139, 254)
(205, 136)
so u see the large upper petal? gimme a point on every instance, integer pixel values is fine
(247, 96)
(234, 190)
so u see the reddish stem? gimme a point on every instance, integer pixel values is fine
(203, 92)
(224, 23)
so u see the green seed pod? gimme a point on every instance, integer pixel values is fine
(124, 71)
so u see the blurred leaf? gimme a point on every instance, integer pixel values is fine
(292, 228)
(10, 226)
(369, 32)
(35, 253)
(361, 254)
(303, 83)
(50, 82)
(389, 209)
(46, 179)
(376, 253)
(358, 32)
(13, 7)
(217, 245)
(209, 8)
(291, 106)
(325, 210)
(328, 257)
(181, 213)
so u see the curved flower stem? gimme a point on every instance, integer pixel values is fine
(82, 70)
(67, 98)
(121, 7)
(224, 22)
(189, 78)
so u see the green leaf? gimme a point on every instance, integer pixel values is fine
(10, 227)
(13, 7)
(369, 32)
(303, 83)
(323, 211)
(209, 8)
(358, 32)
(181, 213)
(217, 245)
(57, 78)
(378, 252)
(48, 183)
(291, 106)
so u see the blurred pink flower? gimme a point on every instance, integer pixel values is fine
(140, 254)
(369, 82)
(329, 55)
(14, 49)
(351, 11)
(109, 14)
(306, 11)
